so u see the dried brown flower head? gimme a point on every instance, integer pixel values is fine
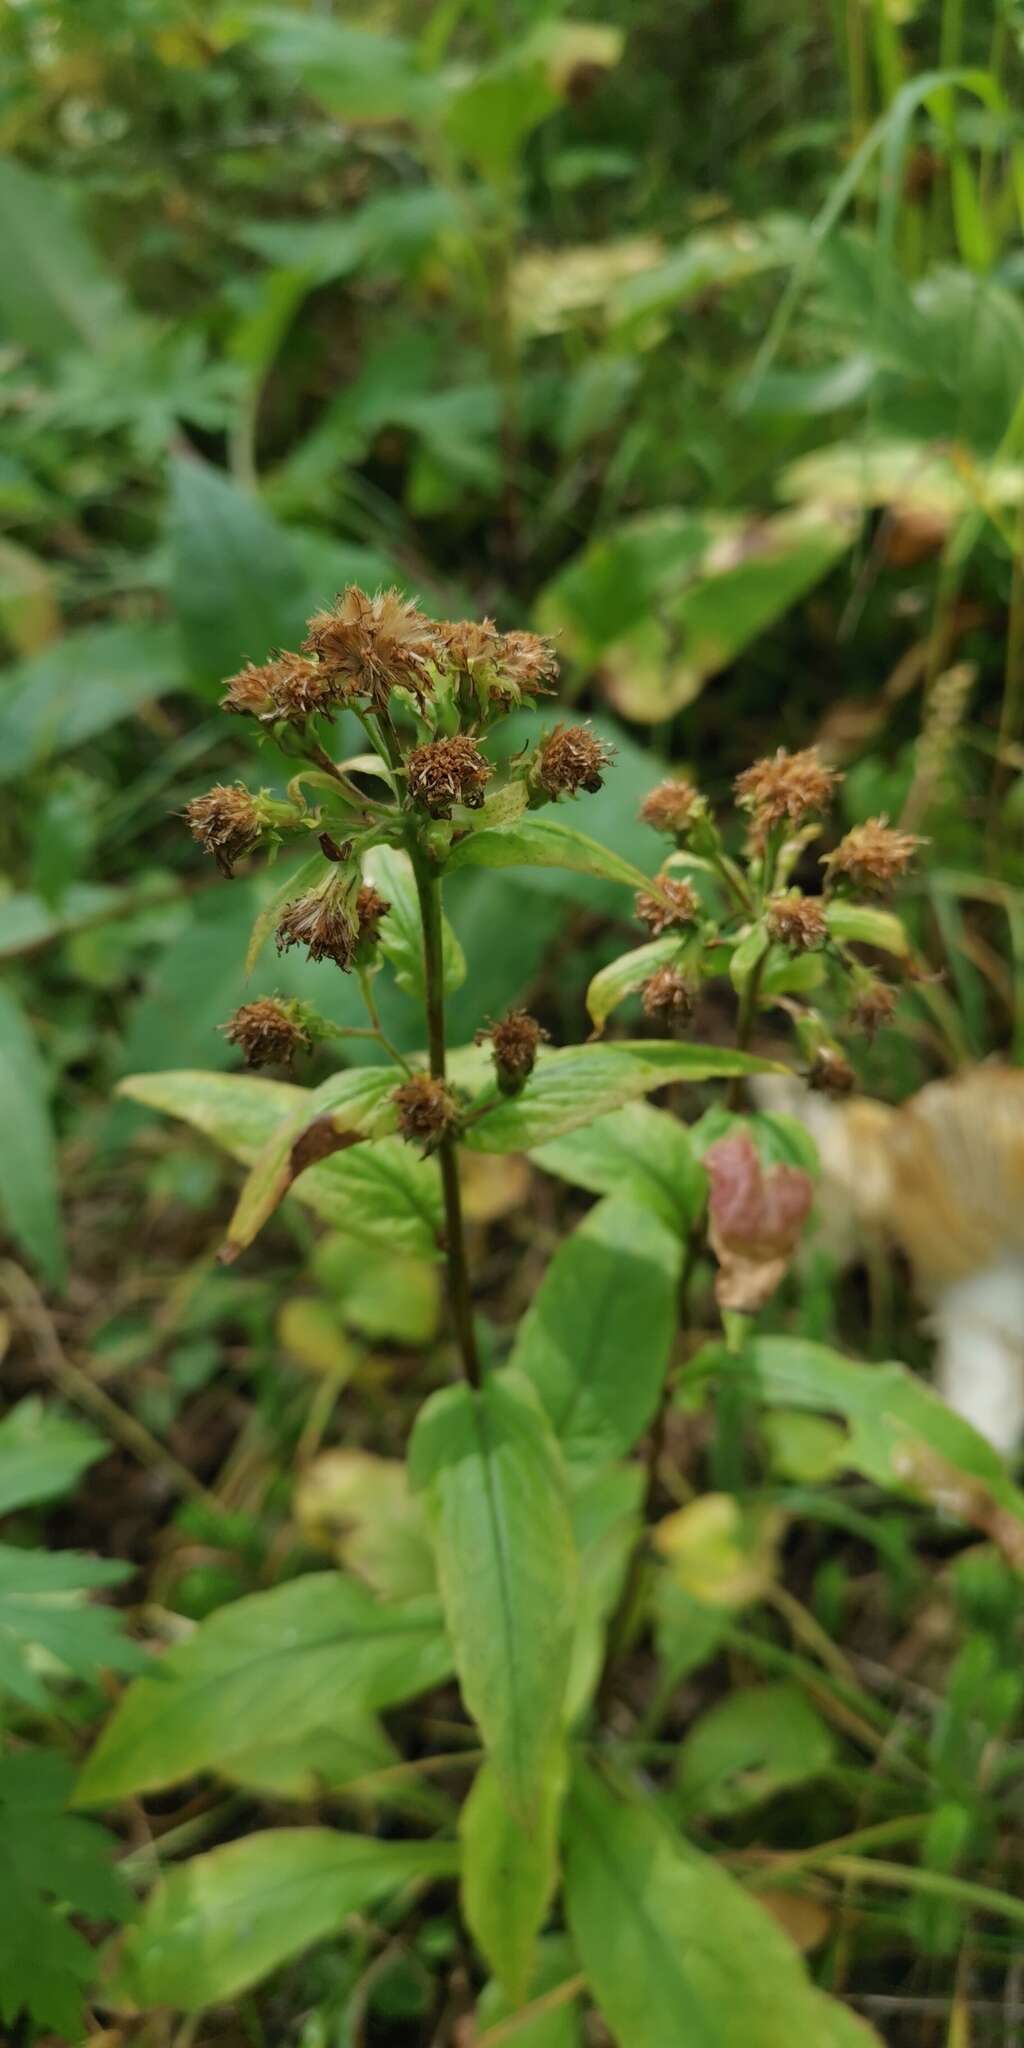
(527, 666)
(873, 1006)
(830, 1074)
(226, 822)
(446, 772)
(516, 1039)
(427, 1110)
(669, 807)
(570, 759)
(785, 787)
(289, 687)
(470, 644)
(755, 1217)
(268, 1031)
(873, 855)
(797, 922)
(671, 903)
(668, 998)
(251, 691)
(370, 908)
(324, 920)
(368, 646)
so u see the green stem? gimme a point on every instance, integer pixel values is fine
(745, 1026)
(428, 889)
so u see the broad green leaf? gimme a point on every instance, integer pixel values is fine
(401, 931)
(495, 1485)
(42, 1609)
(673, 1948)
(543, 843)
(238, 586)
(637, 1150)
(390, 231)
(383, 1192)
(52, 1863)
(388, 1296)
(605, 1506)
(898, 1432)
(489, 120)
(29, 1190)
(221, 1922)
(342, 1112)
(354, 1759)
(42, 1453)
(598, 1334)
(54, 292)
(864, 924)
(289, 1659)
(365, 76)
(556, 2025)
(754, 1743)
(709, 260)
(622, 977)
(575, 1084)
(76, 688)
(509, 1870)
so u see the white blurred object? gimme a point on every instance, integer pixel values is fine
(944, 1176)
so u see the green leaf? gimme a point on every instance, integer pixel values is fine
(41, 1608)
(29, 1191)
(354, 71)
(383, 1192)
(898, 1432)
(54, 293)
(543, 843)
(622, 977)
(80, 686)
(509, 1871)
(598, 1334)
(863, 924)
(344, 1110)
(746, 956)
(575, 1084)
(42, 1453)
(221, 1922)
(289, 1659)
(674, 1949)
(401, 931)
(490, 119)
(637, 1150)
(605, 1507)
(754, 1743)
(557, 2027)
(50, 1861)
(238, 586)
(489, 1464)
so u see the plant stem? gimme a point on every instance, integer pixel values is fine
(745, 1026)
(428, 889)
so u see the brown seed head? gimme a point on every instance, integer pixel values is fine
(446, 772)
(785, 787)
(672, 903)
(873, 855)
(267, 1031)
(226, 823)
(571, 759)
(251, 691)
(370, 908)
(427, 1110)
(873, 1006)
(470, 644)
(668, 998)
(323, 920)
(830, 1073)
(669, 807)
(368, 646)
(516, 1039)
(797, 922)
(527, 666)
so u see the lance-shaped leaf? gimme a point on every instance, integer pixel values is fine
(289, 1659)
(596, 1339)
(637, 1150)
(490, 1466)
(221, 1922)
(673, 1947)
(577, 1083)
(509, 1870)
(622, 977)
(401, 931)
(543, 843)
(381, 1191)
(341, 1112)
(864, 924)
